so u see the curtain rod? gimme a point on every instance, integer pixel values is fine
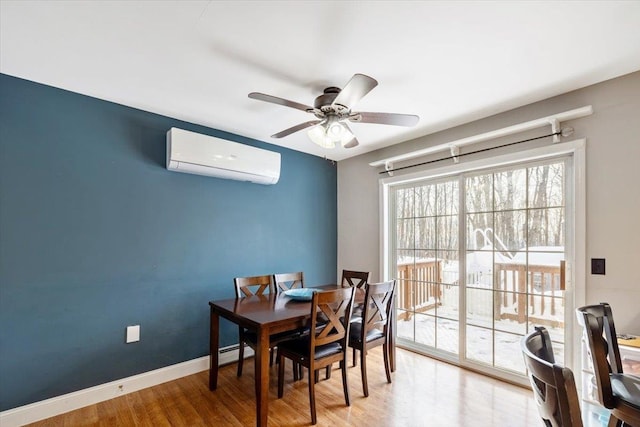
(563, 132)
(553, 120)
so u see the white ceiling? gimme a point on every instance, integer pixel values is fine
(448, 62)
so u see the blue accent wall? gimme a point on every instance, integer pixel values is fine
(96, 234)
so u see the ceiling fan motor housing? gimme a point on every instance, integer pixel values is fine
(327, 97)
(323, 104)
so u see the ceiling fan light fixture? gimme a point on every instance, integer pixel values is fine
(318, 134)
(335, 129)
(345, 136)
(330, 133)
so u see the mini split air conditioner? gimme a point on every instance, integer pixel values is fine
(191, 152)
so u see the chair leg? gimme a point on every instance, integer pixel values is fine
(345, 385)
(387, 364)
(614, 421)
(256, 383)
(327, 373)
(240, 358)
(281, 374)
(363, 371)
(300, 371)
(313, 374)
(297, 372)
(355, 359)
(271, 357)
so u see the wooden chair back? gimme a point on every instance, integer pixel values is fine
(373, 327)
(554, 387)
(286, 281)
(357, 280)
(254, 285)
(602, 346)
(615, 390)
(377, 308)
(354, 278)
(334, 308)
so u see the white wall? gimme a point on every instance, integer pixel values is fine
(612, 181)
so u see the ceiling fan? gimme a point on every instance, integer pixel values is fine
(333, 109)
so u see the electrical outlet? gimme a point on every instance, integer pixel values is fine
(597, 266)
(133, 333)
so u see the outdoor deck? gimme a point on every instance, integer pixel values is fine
(520, 293)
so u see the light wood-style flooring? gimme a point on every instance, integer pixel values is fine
(424, 392)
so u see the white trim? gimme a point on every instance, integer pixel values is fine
(384, 235)
(553, 121)
(78, 399)
(579, 273)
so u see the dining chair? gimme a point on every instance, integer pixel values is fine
(356, 280)
(554, 388)
(256, 286)
(283, 282)
(286, 281)
(325, 344)
(616, 390)
(373, 328)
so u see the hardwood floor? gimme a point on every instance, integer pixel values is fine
(424, 392)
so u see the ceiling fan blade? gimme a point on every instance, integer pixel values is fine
(296, 128)
(280, 101)
(385, 119)
(355, 90)
(354, 141)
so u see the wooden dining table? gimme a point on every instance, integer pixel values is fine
(265, 315)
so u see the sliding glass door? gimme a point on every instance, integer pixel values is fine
(479, 260)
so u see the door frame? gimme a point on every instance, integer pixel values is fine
(575, 238)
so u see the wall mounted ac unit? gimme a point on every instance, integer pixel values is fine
(191, 152)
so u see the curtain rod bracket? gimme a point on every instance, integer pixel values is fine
(388, 166)
(555, 128)
(455, 152)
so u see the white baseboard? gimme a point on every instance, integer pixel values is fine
(78, 399)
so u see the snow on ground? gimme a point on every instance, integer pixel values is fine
(439, 327)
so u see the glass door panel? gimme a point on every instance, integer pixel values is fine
(427, 264)
(491, 242)
(515, 246)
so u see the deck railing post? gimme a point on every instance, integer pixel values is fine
(516, 279)
(497, 286)
(522, 296)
